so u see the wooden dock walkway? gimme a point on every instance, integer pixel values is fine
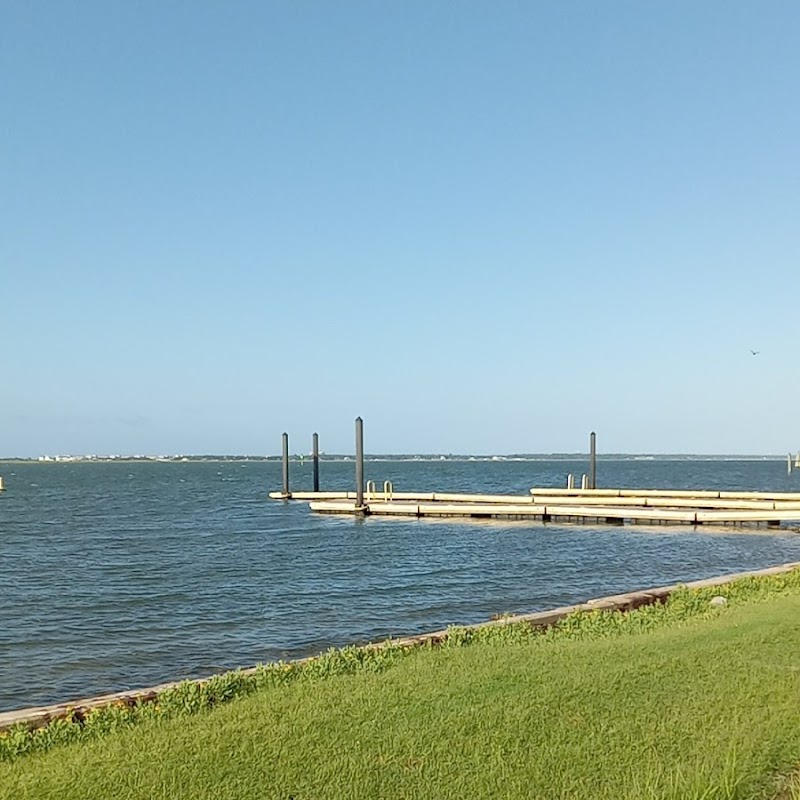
(609, 506)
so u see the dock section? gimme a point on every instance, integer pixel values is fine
(604, 506)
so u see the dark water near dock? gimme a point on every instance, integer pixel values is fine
(121, 575)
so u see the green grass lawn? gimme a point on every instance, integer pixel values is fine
(702, 708)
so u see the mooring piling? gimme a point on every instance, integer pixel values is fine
(285, 464)
(1, 484)
(359, 464)
(593, 460)
(315, 460)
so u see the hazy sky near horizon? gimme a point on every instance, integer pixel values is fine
(484, 227)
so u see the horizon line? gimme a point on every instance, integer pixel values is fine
(439, 455)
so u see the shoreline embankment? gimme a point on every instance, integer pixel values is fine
(40, 716)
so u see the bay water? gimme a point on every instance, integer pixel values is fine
(121, 575)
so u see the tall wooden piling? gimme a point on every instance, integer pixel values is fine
(359, 463)
(593, 460)
(315, 460)
(285, 464)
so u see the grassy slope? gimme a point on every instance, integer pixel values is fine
(710, 708)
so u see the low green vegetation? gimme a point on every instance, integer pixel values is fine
(683, 700)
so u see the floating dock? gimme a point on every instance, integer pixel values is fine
(608, 506)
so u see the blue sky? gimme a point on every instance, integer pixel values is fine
(484, 227)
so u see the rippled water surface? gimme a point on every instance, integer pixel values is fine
(122, 575)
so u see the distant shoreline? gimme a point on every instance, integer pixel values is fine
(398, 458)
